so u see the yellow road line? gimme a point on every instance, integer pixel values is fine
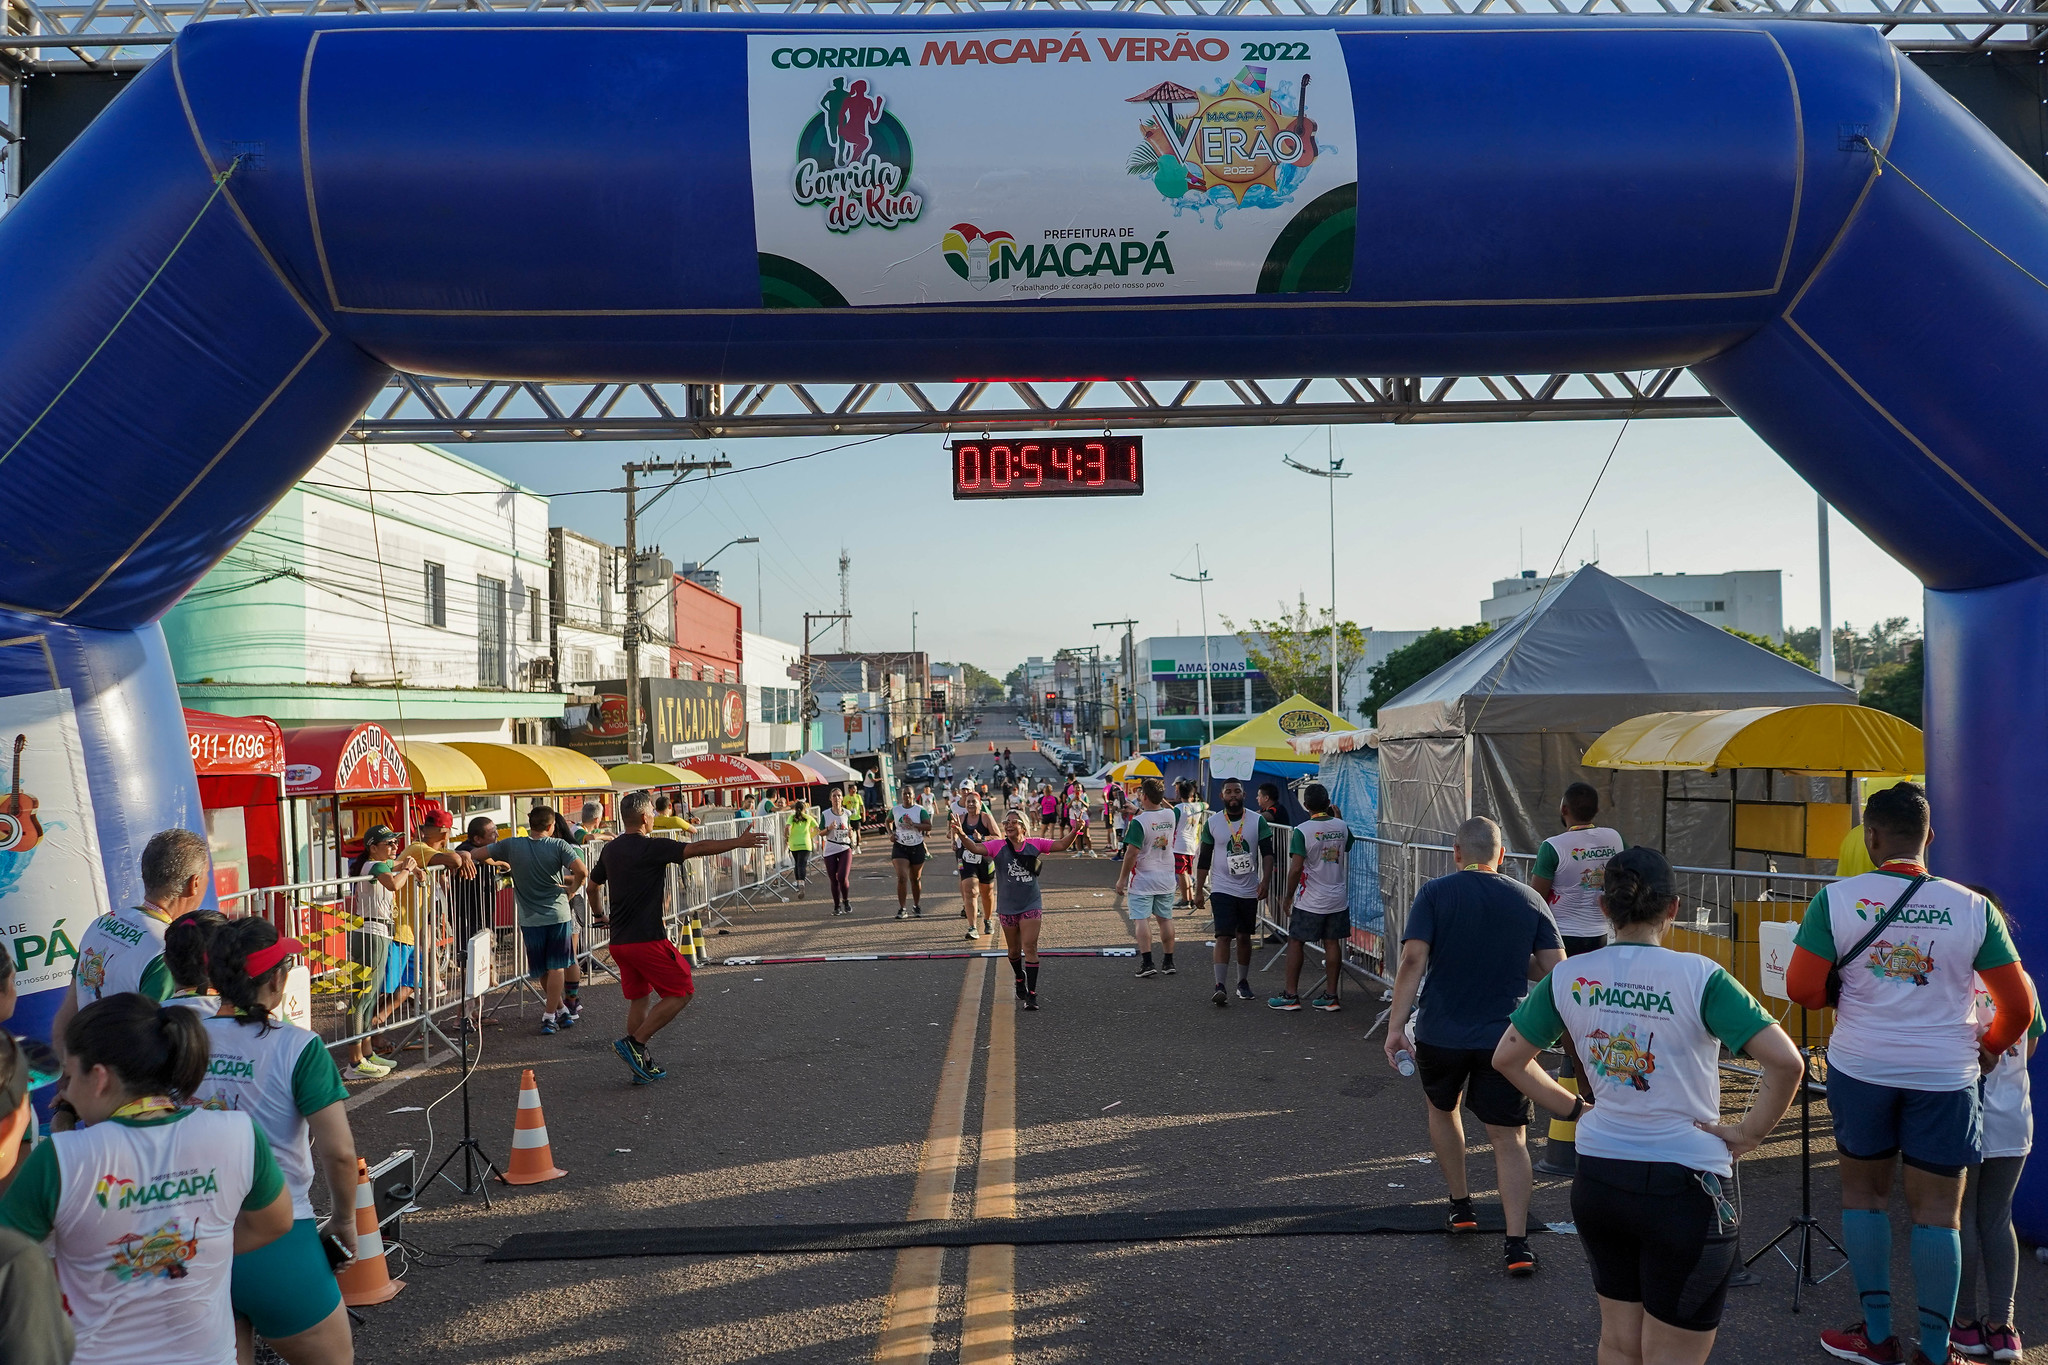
(988, 1328)
(914, 1290)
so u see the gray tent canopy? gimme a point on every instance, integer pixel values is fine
(1500, 729)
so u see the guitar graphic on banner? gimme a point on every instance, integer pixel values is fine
(20, 830)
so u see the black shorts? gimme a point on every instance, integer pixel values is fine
(1451, 1073)
(1574, 944)
(984, 869)
(909, 853)
(1234, 915)
(1653, 1236)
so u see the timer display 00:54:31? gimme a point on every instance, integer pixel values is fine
(1035, 467)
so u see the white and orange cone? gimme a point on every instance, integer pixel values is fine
(533, 1160)
(366, 1280)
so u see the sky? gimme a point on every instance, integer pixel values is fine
(1431, 517)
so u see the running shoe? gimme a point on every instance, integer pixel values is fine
(1853, 1343)
(901, 913)
(357, 1073)
(629, 1053)
(1031, 1000)
(2004, 1343)
(917, 912)
(547, 1023)
(1968, 1339)
(1949, 1357)
(1146, 969)
(972, 931)
(569, 1016)
(1221, 997)
(1520, 1261)
(376, 1065)
(1284, 1001)
(988, 926)
(1461, 1218)
(1167, 968)
(1244, 990)
(1326, 1003)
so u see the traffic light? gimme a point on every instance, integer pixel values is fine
(1051, 698)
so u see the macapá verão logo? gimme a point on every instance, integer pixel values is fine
(853, 157)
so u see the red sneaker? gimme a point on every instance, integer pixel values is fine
(1852, 1343)
(1949, 1357)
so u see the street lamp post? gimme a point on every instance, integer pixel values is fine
(1201, 582)
(1333, 473)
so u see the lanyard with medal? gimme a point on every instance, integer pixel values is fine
(146, 1107)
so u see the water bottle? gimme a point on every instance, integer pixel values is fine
(1404, 1062)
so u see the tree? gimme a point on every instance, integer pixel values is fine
(1765, 642)
(982, 685)
(1888, 641)
(1410, 664)
(1897, 687)
(1293, 650)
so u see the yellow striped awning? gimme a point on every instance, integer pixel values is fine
(440, 768)
(535, 768)
(634, 776)
(1829, 737)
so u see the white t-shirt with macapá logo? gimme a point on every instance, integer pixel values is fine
(1907, 1013)
(1576, 862)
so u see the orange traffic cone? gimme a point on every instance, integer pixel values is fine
(532, 1159)
(365, 1280)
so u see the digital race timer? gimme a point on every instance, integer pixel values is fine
(1049, 467)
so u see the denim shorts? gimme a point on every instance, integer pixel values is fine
(1148, 907)
(549, 947)
(1939, 1131)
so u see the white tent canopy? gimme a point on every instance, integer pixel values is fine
(828, 767)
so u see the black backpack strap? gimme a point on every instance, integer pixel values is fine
(1898, 908)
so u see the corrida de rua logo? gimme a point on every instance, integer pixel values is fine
(853, 157)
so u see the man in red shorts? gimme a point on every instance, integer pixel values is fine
(633, 870)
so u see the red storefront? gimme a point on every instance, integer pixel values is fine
(707, 635)
(240, 763)
(335, 775)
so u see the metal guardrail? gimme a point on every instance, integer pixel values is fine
(361, 990)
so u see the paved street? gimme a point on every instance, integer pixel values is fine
(807, 1093)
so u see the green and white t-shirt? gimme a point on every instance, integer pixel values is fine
(904, 824)
(1647, 1024)
(1151, 833)
(1234, 867)
(1905, 1017)
(142, 1216)
(1324, 846)
(121, 951)
(277, 1077)
(1575, 862)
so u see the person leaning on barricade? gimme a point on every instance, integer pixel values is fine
(1893, 951)
(383, 947)
(1647, 1026)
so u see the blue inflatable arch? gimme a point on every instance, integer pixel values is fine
(561, 197)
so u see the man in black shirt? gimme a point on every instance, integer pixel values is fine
(633, 870)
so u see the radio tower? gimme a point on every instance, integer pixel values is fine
(845, 600)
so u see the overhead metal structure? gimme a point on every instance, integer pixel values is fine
(413, 408)
(106, 34)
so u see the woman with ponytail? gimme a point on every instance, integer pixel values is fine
(147, 1201)
(1645, 1027)
(282, 1077)
(185, 948)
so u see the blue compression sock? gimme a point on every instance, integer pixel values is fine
(1867, 1236)
(1937, 1271)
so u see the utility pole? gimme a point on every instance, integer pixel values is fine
(845, 600)
(1130, 678)
(807, 708)
(1827, 595)
(1333, 473)
(1201, 582)
(634, 631)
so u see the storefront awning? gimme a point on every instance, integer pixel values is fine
(324, 759)
(1824, 738)
(639, 776)
(234, 746)
(534, 768)
(791, 773)
(731, 770)
(828, 767)
(440, 768)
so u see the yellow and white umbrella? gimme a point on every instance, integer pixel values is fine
(1131, 769)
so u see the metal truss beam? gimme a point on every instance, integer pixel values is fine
(416, 408)
(104, 34)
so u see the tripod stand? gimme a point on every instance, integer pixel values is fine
(472, 1152)
(1804, 1227)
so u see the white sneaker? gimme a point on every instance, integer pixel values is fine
(973, 932)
